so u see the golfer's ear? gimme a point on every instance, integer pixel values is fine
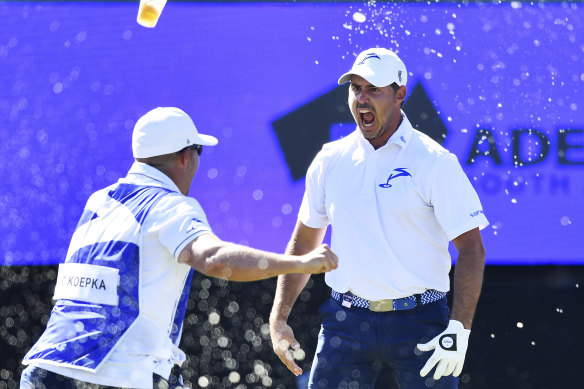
(401, 94)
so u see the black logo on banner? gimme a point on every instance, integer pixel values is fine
(302, 132)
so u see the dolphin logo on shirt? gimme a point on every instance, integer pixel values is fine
(401, 172)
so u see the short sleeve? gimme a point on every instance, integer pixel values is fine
(312, 211)
(187, 221)
(456, 204)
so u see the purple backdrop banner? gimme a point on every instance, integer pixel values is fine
(505, 82)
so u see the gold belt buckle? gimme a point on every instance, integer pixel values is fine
(381, 305)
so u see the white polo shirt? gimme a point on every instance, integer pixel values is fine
(392, 210)
(171, 223)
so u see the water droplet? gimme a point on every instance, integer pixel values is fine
(258, 194)
(214, 318)
(203, 382)
(359, 17)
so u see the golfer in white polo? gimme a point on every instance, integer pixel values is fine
(394, 199)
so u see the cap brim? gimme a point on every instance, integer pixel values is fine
(345, 78)
(369, 76)
(206, 140)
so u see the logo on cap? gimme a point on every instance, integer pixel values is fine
(399, 72)
(370, 55)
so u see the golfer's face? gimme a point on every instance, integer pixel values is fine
(372, 107)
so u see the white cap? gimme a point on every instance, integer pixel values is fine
(379, 66)
(166, 130)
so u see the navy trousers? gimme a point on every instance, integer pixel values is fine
(354, 344)
(37, 378)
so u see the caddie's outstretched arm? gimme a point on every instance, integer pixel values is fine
(216, 258)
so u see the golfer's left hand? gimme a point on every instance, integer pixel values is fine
(449, 351)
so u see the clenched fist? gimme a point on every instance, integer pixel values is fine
(319, 260)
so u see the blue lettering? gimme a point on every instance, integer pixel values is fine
(559, 183)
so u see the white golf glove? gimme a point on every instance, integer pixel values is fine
(449, 351)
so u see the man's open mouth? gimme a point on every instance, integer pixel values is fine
(367, 117)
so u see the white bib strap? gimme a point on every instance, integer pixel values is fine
(88, 283)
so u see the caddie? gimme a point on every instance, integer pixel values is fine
(122, 290)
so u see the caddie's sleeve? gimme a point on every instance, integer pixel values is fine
(190, 222)
(456, 204)
(312, 211)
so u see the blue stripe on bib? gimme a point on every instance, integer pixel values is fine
(81, 334)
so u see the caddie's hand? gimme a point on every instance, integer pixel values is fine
(449, 351)
(320, 260)
(282, 339)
